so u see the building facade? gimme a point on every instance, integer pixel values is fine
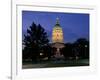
(57, 39)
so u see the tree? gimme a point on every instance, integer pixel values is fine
(67, 50)
(82, 46)
(34, 40)
(47, 50)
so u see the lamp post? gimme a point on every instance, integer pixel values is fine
(85, 49)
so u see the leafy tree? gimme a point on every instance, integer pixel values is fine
(82, 46)
(47, 50)
(67, 50)
(34, 40)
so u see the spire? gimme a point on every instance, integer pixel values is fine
(57, 20)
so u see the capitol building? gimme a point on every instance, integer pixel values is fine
(57, 33)
(57, 39)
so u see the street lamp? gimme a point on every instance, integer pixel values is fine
(41, 54)
(86, 46)
(85, 49)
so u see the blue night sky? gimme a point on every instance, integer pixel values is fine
(74, 25)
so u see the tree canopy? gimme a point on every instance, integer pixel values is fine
(33, 42)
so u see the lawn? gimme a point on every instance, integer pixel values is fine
(49, 64)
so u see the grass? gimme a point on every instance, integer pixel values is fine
(49, 64)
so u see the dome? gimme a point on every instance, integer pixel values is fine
(57, 33)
